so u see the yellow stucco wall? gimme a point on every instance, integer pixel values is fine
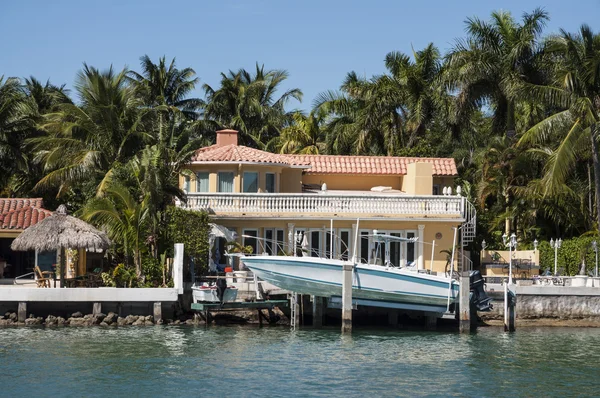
(418, 179)
(238, 172)
(291, 180)
(352, 182)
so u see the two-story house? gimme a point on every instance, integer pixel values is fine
(302, 199)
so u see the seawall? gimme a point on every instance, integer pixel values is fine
(549, 302)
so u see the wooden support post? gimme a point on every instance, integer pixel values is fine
(393, 317)
(464, 308)
(22, 312)
(260, 317)
(97, 309)
(347, 297)
(430, 322)
(157, 312)
(317, 312)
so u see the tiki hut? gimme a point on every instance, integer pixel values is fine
(59, 232)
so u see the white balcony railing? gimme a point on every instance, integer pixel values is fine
(249, 204)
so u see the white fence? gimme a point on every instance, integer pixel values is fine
(234, 203)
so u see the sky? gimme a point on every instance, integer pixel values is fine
(317, 41)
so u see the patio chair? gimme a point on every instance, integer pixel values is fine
(43, 278)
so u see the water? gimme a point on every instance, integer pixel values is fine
(247, 361)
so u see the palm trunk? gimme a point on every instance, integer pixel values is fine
(510, 119)
(596, 164)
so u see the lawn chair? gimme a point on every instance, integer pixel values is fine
(43, 278)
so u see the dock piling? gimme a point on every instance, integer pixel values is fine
(347, 297)
(509, 309)
(157, 312)
(464, 316)
(97, 309)
(317, 311)
(22, 312)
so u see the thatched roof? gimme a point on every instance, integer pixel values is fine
(61, 231)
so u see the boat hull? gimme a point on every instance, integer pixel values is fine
(322, 277)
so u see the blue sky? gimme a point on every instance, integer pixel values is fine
(317, 42)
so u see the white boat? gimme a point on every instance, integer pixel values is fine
(210, 294)
(378, 285)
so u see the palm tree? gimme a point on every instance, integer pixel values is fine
(86, 142)
(16, 121)
(123, 218)
(487, 67)
(414, 89)
(160, 85)
(503, 168)
(303, 136)
(576, 92)
(250, 104)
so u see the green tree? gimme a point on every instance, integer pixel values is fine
(86, 142)
(123, 218)
(487, 68)
(576, 91)
(250, 104)
(303, 136)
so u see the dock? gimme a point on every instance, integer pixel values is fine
(204, 309)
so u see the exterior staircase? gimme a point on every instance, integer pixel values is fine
(468, 232)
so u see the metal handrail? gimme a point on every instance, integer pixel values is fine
(22, 276)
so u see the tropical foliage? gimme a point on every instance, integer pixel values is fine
(517, 107)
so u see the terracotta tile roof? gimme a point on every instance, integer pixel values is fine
(240, 153)
(372, 165)
(21, 213)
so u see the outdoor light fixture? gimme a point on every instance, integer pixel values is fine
(535, 245)
(511, 243)
(555, 244)
(483, 244)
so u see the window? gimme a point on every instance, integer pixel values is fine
(315, 244)
(250, 239)
(269, 244)
(274, 243)
(250, 182)
(270, 182)
(410, 250)
(364, 246)
(225, 181)
(329, 251)
(344, 244)
(186, 183)
(202, 182)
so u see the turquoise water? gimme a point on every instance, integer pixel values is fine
(247, 361)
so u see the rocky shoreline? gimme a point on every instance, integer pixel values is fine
(111, 319)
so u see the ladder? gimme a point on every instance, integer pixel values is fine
(293, 309)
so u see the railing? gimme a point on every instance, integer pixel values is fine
(330, 204)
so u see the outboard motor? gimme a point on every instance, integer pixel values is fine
(221, 286)
(479, 298)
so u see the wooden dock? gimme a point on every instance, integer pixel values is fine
(204, 309)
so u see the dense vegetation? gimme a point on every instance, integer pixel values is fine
(517, 107)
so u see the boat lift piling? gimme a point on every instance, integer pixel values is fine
(467, 320)
(510, 299)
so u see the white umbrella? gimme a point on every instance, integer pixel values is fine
(305, 248)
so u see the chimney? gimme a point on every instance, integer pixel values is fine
(227, 137)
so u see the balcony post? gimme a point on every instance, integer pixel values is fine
(420, 259)
(291, 241)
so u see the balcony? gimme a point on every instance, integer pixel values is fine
(326, 205)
